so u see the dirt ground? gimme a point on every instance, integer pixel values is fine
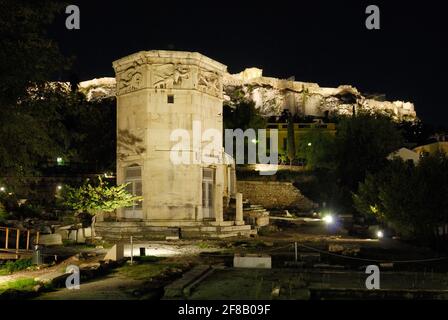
(110, 287)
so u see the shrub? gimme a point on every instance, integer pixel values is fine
(14, 266)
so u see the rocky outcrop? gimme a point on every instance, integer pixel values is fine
(98, 88)
(272, 95)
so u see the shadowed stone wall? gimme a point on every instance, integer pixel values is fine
(274, 195)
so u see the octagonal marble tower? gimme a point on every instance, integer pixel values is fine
(157, 93)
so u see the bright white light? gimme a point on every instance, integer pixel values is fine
(266, 167)
(59, 187)
(379, 234)
(309, 144)
(160, 251)
(59, 160)
(254, 140)
(2, 189)
(328, 219)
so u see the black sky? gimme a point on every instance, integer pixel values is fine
(316, 41)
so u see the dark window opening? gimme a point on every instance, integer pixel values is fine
(170, 98)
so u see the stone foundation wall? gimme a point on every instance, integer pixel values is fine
(274, 195)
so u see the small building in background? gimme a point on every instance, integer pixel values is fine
(432, 148)
(406, 155)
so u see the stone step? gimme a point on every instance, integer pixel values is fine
(209, 235)
(254, 209)
(222, 232)
(176, 289)
(216, 229)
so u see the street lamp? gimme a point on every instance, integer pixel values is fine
(328, 219)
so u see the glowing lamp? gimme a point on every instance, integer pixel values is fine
(328, 219)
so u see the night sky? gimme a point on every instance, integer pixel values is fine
(316, 41)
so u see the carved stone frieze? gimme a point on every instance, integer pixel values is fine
(130, 79)
(208, 81)
(170, 75)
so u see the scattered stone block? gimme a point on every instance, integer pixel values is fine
(80, 238)
(89, 266)
(386, 265)
(54, 239)
(63, 233)
(252, 261)
(346, 249)
(53, 278)
(88, 232)
(335, 248)
(262, 221)
(72, 235)
(116, 253)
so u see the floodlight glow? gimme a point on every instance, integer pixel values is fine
(309, 144)
(59, 187)
(2, 189)
(328, 219)
(379, 234)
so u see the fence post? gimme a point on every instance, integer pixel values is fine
(6, 238)
(27, 240)
(295, 250)
(132, 251)
(37, 237)
(17, 240)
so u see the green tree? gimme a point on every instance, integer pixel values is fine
(317, 148)
(3, 213)
(243, 115)
(94, 198)
(28, 57)
(28, 60)
(362, 144)
(410, 198)
(415, 132)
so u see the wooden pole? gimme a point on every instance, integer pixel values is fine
(295, 250)
(132, 251)
(17, 240)
(6, 238)
(37, 237)
(28, 240)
